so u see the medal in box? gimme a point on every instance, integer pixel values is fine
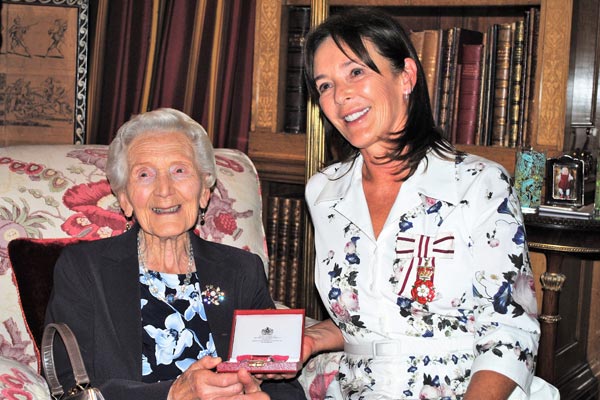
(266, 341)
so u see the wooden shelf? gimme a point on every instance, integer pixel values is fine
(279, 156)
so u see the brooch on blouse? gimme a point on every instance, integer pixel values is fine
(213, 295)
(423, 250)
(423, 290)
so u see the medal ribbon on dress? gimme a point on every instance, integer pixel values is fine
(424, 249)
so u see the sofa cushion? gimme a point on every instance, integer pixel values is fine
(32, 261)
(61, 191)
(20, 381)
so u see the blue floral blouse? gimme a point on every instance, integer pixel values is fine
(176, 332)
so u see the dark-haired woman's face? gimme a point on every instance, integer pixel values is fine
(365, 106)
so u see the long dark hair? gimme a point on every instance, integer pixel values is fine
(350, 28)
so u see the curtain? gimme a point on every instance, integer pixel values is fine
(192, 55)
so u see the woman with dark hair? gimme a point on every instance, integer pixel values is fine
(421, 259)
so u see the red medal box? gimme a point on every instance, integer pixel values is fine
(266, 341)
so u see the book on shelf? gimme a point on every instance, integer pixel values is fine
(516, 84)
(532, 18)
(295, 254)
(469, 93)
(487, 97)
(296, 95)
(272, 233)
(432, 43)
(446, 76)
(504, 43)
(454, 116)
(451, 52)
(417, 38)
(285, 231)
(481, 106)
(283, 240)
(427, 44)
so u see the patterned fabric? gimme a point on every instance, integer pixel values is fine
(60, 191)
(176, 333)
(19, 381)
(449, 275)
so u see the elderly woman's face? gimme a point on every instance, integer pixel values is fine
(164, 186)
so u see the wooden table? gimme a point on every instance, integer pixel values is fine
(556, 238)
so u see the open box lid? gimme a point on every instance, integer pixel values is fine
(266, 341)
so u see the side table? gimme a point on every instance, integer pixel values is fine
(557, 237)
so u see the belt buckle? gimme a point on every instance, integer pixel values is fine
(387, 348)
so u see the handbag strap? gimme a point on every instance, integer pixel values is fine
(68, 338)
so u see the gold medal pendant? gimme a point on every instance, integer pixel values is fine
(423, 290)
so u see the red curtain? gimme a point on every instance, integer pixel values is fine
(128, 45)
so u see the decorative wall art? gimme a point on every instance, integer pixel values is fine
(43, 71)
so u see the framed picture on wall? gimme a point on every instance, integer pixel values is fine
(564, 181)
(44, 71)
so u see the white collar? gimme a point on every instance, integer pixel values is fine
(434, 177)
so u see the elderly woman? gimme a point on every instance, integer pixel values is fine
(420, 253)
(140, 303)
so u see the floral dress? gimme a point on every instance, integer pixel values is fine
(448, 278)
(175, 328)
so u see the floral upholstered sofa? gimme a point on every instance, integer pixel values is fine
(51, 195)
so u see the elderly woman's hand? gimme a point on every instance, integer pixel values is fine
(200, 382)
(251, 387)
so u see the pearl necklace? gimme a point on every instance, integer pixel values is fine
(149, 278)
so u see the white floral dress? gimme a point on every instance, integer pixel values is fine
(448, 277)
(175, 332)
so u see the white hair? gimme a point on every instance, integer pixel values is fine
(162, 120)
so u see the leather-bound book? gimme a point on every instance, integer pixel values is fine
(272, 234)
(516, 84)
(481, 107)
(283, 238)
(469, 94)
(446, 77)
(529, 99)
(416, 38)
(454, 38)
(296, 95)
(432, 44)
(292, 298)
(502, 85)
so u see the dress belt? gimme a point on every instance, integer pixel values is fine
(410, 345)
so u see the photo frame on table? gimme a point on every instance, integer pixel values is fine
(564, 181)
(44, 73)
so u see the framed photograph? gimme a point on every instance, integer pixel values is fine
(564, 181)
(43, 76)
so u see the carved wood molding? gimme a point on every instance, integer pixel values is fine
(266, 65)
(553, 71)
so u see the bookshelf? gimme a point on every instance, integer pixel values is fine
(281, 159)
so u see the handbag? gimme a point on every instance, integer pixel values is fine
(82, 389)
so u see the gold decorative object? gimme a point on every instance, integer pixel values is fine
(550, 319)
(552, 281)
